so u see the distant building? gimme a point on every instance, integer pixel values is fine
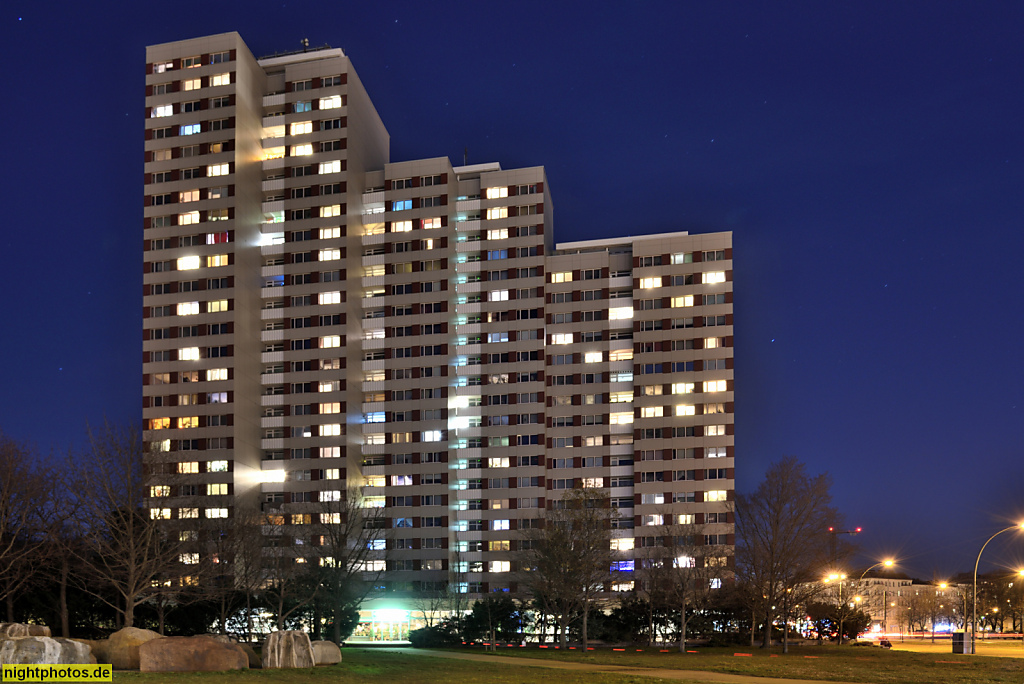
(319, 319)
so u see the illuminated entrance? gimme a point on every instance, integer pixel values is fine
(385, 624)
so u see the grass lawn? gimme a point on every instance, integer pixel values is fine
(829, 663)
(369, 666)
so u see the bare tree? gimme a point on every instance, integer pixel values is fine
(571, 557)
(349, 545)
(125, 547)
(23, 502)
(782, 538)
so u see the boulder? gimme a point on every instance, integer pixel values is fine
(28, 650)
(288, 649)
(122, 647)
(96, 649)
(254, 660)
(74, 652)
(191, 654)
(326, 653)
(17, 629)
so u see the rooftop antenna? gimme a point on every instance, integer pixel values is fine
(305, 44)
(465, 156)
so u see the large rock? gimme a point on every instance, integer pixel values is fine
(326, 653)
(122, 647)
(191, 654)
(17, 629)
(96, 649)
(26, 650)
(288, 649)
(254, 660)
(74, 652)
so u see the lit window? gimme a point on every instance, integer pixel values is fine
(648, 283)
(188, 558)
(187, 308)
(375, 417)
(160, 490)
(714, 430)
(330, 167)
(620, 397)
(715, 495)
(652, 412)
(329, 254)
(682, 388)
(189, 129)
(334, 407)
(332, 474)
(497, 193)
(682, 258)
(497, 296)
(620, 418)
(217, 170)
(302, 150)
(332, 102)
(329, 298)
(620, 313)
(188, 196)
(500, 566)
(218, 466)
(216, 512)
(401, 226)
(561, 277)
(497, 213)
(159, 513)
(712, 277)
(620, 355)
(220, 79)
(159, 423)
(430, 436)
(561, 338)
(593, 482)
(623, 544)
(329, 233)
(499, 524)
(217, 306)
(593, 357)
(188, 218)
(162, 110)
(712, 342)
(330, 430)
(217, 489)
(497, 234)
(328, 341)
(300, 127)
(331, 210)
(215, 374)
(714, 386)
(217, 260)
(330, 495)
(430, 223)
(684, 410)
(185, 422)
(679, 302)
(162, 67)
(188, 468)
(188, 263)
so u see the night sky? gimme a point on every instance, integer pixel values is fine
(868, 157)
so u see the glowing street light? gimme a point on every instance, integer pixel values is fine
(974, 601)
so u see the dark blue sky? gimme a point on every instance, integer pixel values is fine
(867, 155)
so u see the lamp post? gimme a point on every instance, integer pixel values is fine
(840, 578)
(888, 562)
(974, 601)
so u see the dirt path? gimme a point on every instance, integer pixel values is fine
(662, 673)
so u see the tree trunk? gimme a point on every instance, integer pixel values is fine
(753, 626)
(563, 629)
(785, 629)
(336, 627)
(129, 613)
(682, 626)
(317, 623)
(161, 609)
(65, 622)
(586, 614)
(767, 631)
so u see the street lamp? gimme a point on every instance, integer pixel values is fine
(974, 600)
(842, 609)
(888, 562)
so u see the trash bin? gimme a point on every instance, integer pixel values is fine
(962, 642)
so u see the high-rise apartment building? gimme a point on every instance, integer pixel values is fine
(319, 321)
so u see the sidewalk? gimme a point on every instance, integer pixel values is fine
(662, 673)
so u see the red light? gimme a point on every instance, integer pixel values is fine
(858, 529)
(830, 529)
